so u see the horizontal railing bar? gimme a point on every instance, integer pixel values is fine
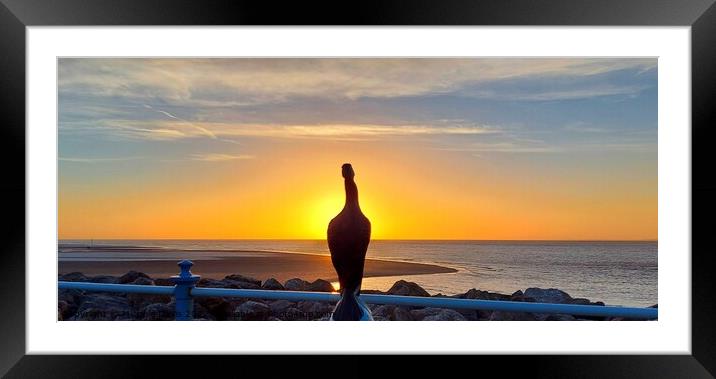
(266, 294)
(513, 306)
(125, 288)
(435, 302)
(438, 302)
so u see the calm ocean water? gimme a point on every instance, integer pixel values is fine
(618, 273)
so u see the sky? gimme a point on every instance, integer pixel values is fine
(443, 148)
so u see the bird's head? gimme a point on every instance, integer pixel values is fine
(348, 171)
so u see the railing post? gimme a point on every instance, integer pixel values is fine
(183, 283)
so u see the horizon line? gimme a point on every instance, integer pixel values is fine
(376, 239)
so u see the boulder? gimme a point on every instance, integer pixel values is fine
(97, 307)
(163, 282)
(320, 285)
(393, 313)
(511, 316)
(70, 296)
(550, 295)
(64, 311)
(445, 315)
(314, 309)
(158, 312)
(211, 283)
(140, 300)
(280, 307)
(231, 283)
(73, 277)
(384, 311)
(403, 288)
(245, 279)
(559, 317)
(142, 281)
(219, 308)
(132, 276)
(103, 279)
(252, 311)
(272, 284)
(475, 294)
(420, 314)
(402, 314)
(291, 314)
(201, 313)
(296, 284)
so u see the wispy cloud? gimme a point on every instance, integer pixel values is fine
(170, 130)
(96, 160)
(243, 82)
(217, 157)
(205, 131)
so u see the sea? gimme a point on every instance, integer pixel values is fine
(615, 272)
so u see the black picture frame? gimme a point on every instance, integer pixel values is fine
(16, 15)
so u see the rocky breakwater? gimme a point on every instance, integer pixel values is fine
(76, 305)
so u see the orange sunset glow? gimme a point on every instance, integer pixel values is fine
(443, 161)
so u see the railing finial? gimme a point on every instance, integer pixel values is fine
(183, 284)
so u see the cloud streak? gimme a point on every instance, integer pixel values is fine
(244, 82)
(169, 130)
(218, 157)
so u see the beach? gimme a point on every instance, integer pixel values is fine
(107, 260)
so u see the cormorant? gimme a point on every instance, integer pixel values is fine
(348, 238)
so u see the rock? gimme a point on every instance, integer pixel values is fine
(272, 284)
(252, 311)
(292, 314)
(559, 317)
(296, 284)
(469, 314)
(580, 301)
(63, 310)
(314, 309)
(103, 279)
(103, 307)
(132, 276)
(211, 283)
(280, 307)
(393, 313)
(163, 282)
(403, 288)
(420, 314)
(273, 319)
(245, 279)
(73, 277)
(142, 281)
(476, 294)
(445, 315)
(231, 283)
(384, 311)
(320, 285)
(158, 312)
(70, 296)
(551, 295)
(511, 316)
(218, 307)
(140, 300)
(201, 313)
(402, 314)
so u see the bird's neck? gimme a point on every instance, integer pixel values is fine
(351, 195)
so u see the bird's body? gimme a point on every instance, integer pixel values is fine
(348, 238)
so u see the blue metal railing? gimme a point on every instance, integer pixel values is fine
(185, 290)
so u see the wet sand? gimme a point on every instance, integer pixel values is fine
(259, 265)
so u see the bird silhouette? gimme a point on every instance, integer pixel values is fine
(348, 238)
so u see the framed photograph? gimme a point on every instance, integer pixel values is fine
(479, 179)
